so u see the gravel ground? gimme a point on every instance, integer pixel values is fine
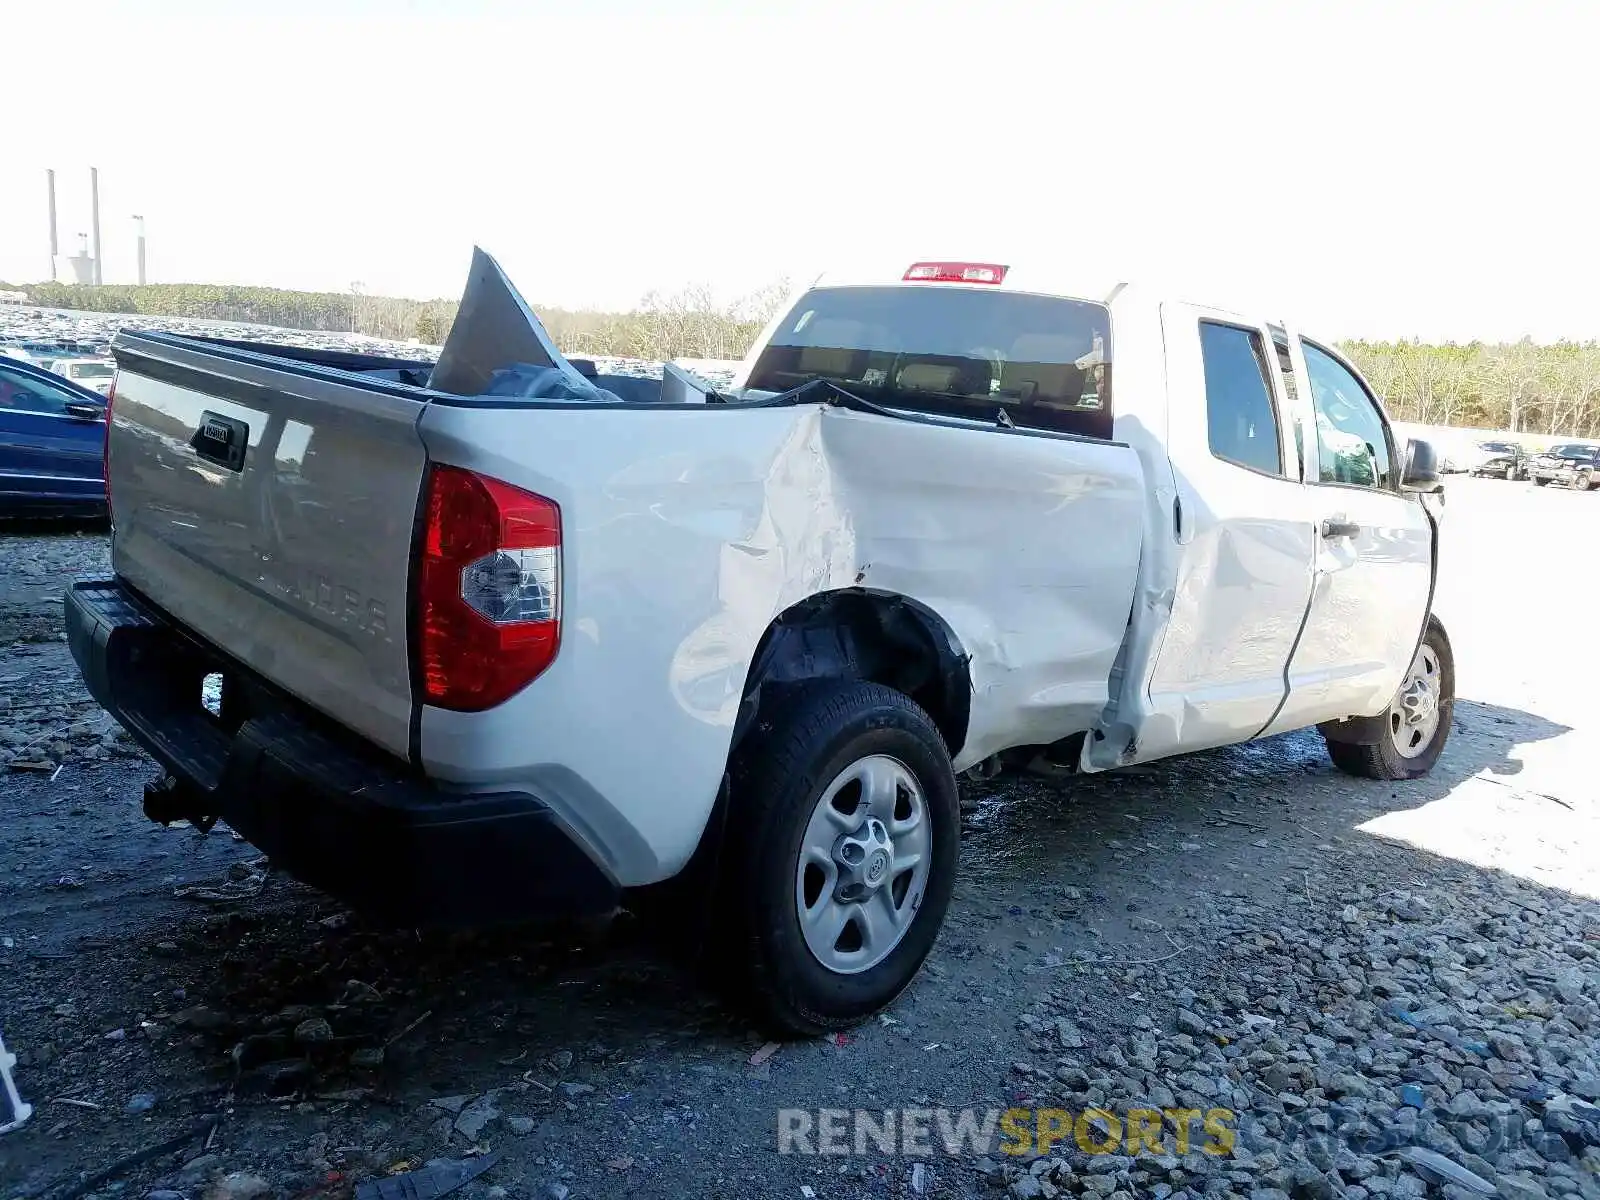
(1395, 988)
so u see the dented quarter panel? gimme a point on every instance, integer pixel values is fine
(685, 533)
(992, 530)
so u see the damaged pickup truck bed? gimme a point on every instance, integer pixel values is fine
(499, 637)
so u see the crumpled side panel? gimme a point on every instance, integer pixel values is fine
(686, 533)
(1027, 547)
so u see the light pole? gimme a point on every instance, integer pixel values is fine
(140, 220)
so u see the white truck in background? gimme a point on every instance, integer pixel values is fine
(497, 637)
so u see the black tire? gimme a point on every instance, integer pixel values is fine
(1379, 758)
(1582, 481)
(779, 774)
(1541, 482)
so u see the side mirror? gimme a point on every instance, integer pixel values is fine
(83, 410)
(1421, 472)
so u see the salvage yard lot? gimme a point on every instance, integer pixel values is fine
(1245, 929)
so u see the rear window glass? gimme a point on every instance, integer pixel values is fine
(961, 352)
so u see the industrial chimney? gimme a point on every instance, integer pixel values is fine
(140, 219)
(82, 263)
(94, 218)
(50, 187)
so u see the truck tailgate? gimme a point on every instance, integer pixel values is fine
(270, 508)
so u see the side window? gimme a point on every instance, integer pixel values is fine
(25, 393)
(1240, 416)
(1351, 445)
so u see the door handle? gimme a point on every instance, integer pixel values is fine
(1336, 528)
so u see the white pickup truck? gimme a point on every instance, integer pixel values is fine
(497, 637)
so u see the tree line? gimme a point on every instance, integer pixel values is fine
(1521, 386)
(690, 323)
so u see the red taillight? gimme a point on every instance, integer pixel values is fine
(489, 592)
(105, 444)
(956, 272)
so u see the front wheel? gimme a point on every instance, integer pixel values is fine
(1583, 481)
(1540, 481)
(1411, 735)
(1511, 473)
(845, 824)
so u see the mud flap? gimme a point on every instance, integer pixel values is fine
(1357, 731)
(681, 909)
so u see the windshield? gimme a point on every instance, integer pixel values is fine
(1497, 447)
(962, 352)
(92, 370)
(1573, 450)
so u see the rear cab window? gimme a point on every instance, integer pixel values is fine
(1043, 361)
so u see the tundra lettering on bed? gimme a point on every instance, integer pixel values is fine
(531, 639)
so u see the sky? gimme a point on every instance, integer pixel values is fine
(1389, 169)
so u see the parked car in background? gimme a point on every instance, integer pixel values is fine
(1502, 460)
(14, 351)
(1576, 464)
(95, 374)
(52, 439)
(1458, 455)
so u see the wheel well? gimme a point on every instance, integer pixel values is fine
(877, 637)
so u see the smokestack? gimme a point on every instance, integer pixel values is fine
(94, 219)
(50, 186)
(82, 265)
(140, 219)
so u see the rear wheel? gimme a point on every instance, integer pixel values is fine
(842, 854)
(1409, 737)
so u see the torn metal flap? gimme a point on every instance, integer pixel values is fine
(494, 329)
(682, 386)
(20, 1111)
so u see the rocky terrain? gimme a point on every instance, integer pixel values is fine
(1394, 989)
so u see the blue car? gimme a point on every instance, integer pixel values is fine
(52, 437)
